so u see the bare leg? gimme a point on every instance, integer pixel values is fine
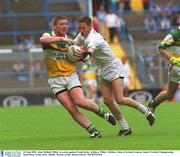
(108, 97)
(79, 99)
(67, 103)
(118, 89)
(112, 105)
(167, 94)
(164, 95)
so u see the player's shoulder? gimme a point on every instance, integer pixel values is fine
(175, 34)
(95, 35)
(47, 34)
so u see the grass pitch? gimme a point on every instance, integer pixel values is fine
(52, 128)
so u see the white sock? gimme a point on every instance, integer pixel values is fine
(143, 109)
(124, 124)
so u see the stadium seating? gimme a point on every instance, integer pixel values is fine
(33, 17)
(11, 80)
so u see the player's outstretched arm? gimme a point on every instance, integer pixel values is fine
(165, 53)
(47, 38)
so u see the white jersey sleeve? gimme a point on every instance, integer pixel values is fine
(89, 41)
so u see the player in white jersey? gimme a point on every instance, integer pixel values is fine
(110, 72)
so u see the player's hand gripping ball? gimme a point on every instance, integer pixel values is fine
(71, 54)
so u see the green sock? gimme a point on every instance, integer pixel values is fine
(154, 103)
(101, 112)
(91, 128)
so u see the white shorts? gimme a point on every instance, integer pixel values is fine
(111, 71)
(64, 83)
(174, 73)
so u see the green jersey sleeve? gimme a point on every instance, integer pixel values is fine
(172, 39)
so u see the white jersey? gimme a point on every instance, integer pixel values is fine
(102, 54)
(109, 66)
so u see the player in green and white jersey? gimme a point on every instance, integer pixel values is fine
(170, 49)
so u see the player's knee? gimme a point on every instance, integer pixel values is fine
(79, 101)
(120, 100)
(72, 111)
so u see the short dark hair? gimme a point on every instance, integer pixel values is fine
(56, 19)
(85, 19)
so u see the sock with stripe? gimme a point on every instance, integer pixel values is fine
(91, 128)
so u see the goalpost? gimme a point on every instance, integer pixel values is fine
(89, 8)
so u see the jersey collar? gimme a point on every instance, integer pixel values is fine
(90, 32)
(53, 34)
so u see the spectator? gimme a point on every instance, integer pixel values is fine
(165, 22)
(121, 6)
(149, 60)
(150, 24)
(156, 10)
(112, 22)
(36, 70)
(18, 68)
(101, 15)
(168, 8)
(176, 20)
(127, 5)
(114, 4)
(29, 42)
(20, 44)
(121, 28)
(146, 4)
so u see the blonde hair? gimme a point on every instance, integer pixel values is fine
(56, 19)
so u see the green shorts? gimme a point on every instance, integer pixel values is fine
(174, 73)
(59, 84)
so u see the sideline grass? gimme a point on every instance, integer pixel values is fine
(51, 128)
